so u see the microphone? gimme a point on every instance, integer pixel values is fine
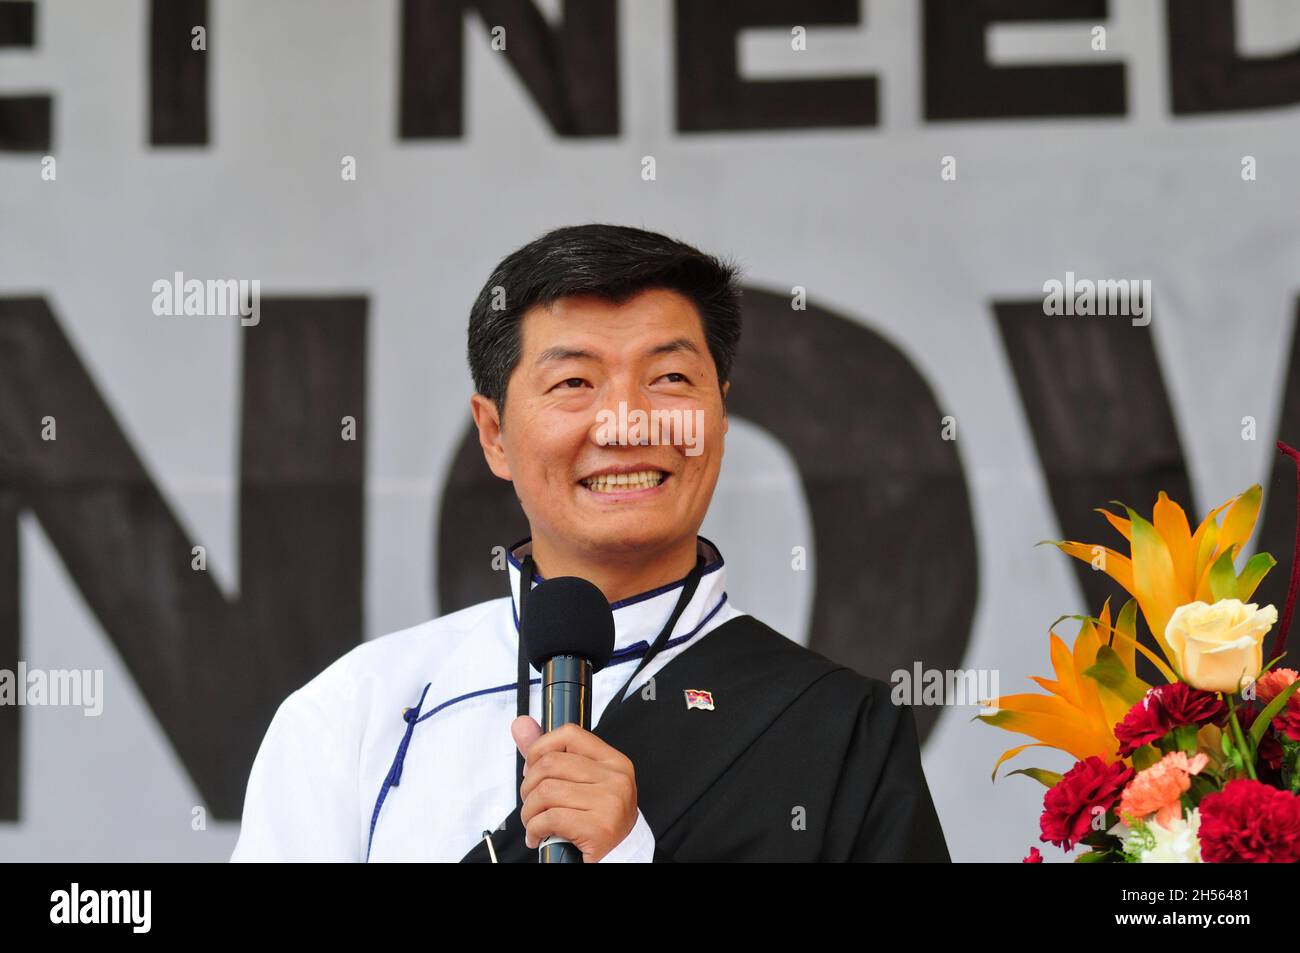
(568, 636)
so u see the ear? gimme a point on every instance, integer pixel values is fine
(488, 421)
(725, 387)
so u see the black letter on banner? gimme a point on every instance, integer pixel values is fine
(1277, 531)
(570, 70)
(1099, 412)
(960, 83)
(213, 670)
(711, 96)
(24, 120)
(894, 542)
(1207, 75)
(178, 74)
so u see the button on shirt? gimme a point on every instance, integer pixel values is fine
(401, 749)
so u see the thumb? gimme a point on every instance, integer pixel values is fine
(525, 730)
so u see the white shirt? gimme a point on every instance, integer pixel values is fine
(322, 765)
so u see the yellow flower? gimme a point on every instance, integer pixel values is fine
(1170, 566)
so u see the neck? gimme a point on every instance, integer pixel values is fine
(617, 575)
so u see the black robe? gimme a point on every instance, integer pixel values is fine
(802, 759)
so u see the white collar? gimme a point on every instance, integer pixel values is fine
(638, 619)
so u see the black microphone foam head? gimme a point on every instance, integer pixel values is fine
(567, 616)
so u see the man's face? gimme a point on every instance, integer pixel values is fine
(585, 492)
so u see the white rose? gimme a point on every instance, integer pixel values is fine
(1219, 648)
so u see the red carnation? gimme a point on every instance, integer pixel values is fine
(1069, 806)
(1287, 720)
(1250, 823)
(1185, 705)
(1144, 724)
(1035, 857)
(1161, 710)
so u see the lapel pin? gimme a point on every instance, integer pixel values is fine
(698, 698)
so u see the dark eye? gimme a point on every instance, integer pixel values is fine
(681, 377)
(571, 382)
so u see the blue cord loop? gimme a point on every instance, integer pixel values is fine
(409, 715)
(394, 778)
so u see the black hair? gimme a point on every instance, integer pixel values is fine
(613, 262)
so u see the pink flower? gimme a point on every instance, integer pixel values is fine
(1268, 685)
(1287, 721)
(1159, 789)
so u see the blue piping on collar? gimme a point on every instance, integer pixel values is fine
(633, 651)
(630, 600)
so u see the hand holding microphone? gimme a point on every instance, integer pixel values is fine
(579, 793)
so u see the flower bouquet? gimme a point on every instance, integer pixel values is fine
(1203, 766)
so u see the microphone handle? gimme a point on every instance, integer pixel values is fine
(566, 699)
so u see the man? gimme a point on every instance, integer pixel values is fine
(716, 738)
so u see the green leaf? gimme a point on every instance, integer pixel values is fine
(1109, 672)
(1144, 757)
(1233, 755)
(1263, 670)
(1080, 618)
(1185, 738)
(1270, 710)
(1200, 787)
(1256, 568)
(1290, 764)
(1046, 778)
(1223, 578)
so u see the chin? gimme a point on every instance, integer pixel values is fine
(635, 538)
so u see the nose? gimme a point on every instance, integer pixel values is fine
(622, 414)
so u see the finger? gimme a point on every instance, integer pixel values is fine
(557, 792)
(567, 766)
(525, 730)
(572, 825)
(578, 740)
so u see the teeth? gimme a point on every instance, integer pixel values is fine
(614, 482)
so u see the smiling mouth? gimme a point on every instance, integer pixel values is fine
(625, 482)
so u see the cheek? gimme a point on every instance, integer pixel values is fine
(553, 442)
(706, 465)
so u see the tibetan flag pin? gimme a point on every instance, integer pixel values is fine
(698, 698)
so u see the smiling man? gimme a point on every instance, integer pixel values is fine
(717, 737)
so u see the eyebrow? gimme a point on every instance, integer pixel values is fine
(559, 353)
(670, 347)
(562, 353)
